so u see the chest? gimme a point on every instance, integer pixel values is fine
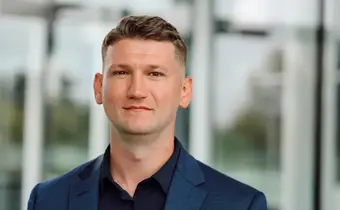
(148, 195)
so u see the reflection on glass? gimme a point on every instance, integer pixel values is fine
(247, 88)
(67, 101)
(66, 122)
(11, 131)
(13, 68)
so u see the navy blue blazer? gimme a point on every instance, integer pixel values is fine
(195, 186)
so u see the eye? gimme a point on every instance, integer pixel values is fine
(156, 74)
(120, 73)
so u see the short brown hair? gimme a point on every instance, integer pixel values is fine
(146, 28)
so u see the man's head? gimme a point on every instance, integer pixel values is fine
(146, 28)
(143, 81)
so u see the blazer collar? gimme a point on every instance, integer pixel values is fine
(84, 193)
(186, 191)
(188, 166)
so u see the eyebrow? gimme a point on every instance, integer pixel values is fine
(128, 67)
(122, 66)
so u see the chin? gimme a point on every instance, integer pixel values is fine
(138, 130)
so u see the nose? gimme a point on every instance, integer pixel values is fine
(136, 88)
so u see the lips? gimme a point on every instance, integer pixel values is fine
(137, 108)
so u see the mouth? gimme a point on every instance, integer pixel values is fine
(137, 108)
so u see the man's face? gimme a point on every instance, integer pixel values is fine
(142, 86)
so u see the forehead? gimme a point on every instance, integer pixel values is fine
(133, 50)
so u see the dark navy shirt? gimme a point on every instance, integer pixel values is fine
(150, 194)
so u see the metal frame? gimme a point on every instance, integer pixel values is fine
(330, 189)
(330, 186)
(297, 128)
(200, 145)
(33, 115)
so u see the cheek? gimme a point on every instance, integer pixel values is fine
(167, 96)
(112, 92)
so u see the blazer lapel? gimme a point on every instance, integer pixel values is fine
(84, 194)
(185, 193)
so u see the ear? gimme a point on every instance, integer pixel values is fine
(97, 87)
(186, 93)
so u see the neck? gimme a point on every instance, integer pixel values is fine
(136, 158)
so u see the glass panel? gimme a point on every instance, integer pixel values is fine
(247, 116)
(13, 52)
(67, 102)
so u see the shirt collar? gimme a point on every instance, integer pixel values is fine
(163, 176)
(165, 173)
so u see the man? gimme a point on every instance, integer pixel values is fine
(141, 86)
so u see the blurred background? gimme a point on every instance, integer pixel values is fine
(266, 92)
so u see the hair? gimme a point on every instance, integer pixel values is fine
(146, 28)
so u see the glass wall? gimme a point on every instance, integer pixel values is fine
(247, 110)
(67, 101)
(14, 49)
(262, 77)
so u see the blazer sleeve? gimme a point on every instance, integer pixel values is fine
(32, 198)
(258, 202)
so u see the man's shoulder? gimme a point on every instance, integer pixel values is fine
(219, 183)
(53, 193)
(63, 181)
